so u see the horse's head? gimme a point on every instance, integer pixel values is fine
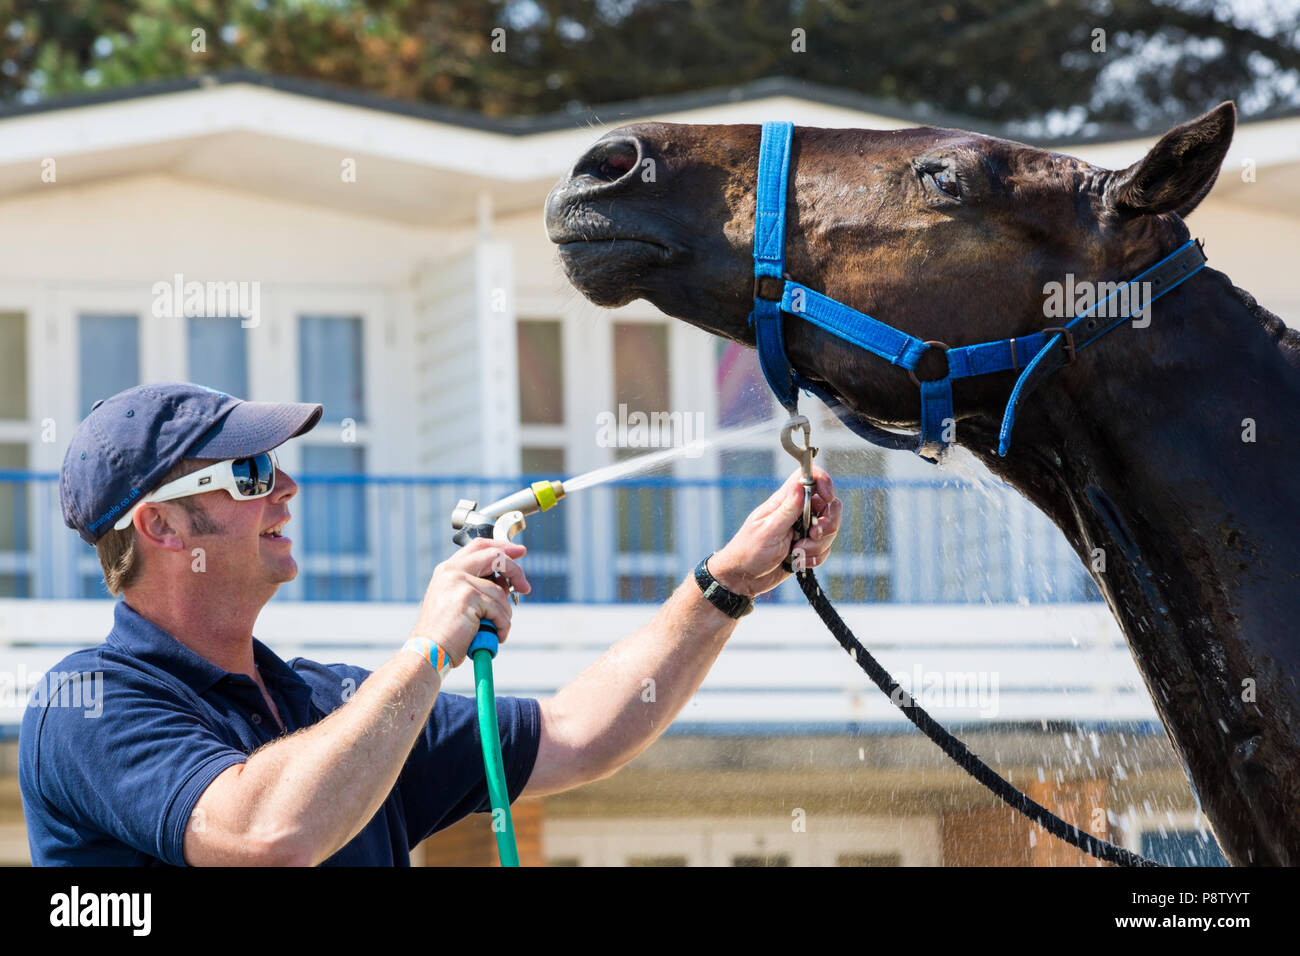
(944, 234)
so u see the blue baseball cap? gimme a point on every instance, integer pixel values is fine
(129, 442)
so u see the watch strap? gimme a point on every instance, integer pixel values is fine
(728, 602)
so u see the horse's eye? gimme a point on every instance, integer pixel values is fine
(947, 181)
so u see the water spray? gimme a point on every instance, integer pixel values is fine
(503, 519)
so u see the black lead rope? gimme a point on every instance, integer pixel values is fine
(953, 747)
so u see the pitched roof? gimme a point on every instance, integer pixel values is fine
(586, 115)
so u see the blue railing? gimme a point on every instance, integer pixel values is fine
(377, 538)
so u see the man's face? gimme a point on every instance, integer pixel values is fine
(238, 549)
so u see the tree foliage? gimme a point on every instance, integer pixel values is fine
(1019, 61)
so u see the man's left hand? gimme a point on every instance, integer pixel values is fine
(750, 563)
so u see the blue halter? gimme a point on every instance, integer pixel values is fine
(776, 294)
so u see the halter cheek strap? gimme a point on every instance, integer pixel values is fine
(777, 295)
(769, 261)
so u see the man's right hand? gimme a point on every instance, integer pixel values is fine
(301, 798)
(462, 592)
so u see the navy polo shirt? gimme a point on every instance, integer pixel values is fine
(117, 788)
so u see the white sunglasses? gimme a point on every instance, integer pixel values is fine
(244, 478)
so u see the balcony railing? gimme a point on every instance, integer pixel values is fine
(377, 538)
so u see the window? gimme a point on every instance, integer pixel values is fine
(864, 529)
(1182, 848)
(642, 588)
(540, 357)
(15, 543)
(646, 517)
(335, 531)
(539, 463)
(541, 373)
(641, 366)
(547, 534)
(742, 496)
(334, 526)
(13, 366)
(218, 354)
(93, 587)
(109, 359)
(645, 510)
(744, 397)
(331, 366)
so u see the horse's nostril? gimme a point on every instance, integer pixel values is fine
(618, 163)
(608, 161)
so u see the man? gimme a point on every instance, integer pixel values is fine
(208, 749)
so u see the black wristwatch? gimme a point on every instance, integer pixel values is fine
(728, 602)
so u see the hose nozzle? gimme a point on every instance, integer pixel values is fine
(503, 519)
(539, 496)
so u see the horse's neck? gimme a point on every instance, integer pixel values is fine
(1171, 477)
(1180, 446)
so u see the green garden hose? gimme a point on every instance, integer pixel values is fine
(482, 651)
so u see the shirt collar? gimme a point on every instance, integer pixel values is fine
(141, 638)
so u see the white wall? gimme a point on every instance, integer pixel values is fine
(103, 247)
(1044, 662)
(1256, 249)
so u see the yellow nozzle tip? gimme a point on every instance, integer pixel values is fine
(546, 497)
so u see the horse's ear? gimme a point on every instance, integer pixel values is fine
(1180, 169)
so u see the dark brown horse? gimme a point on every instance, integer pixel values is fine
(1171, 448)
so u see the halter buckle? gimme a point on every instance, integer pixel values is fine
(1069, 342)
(943, 345)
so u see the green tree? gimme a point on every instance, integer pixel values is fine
(1031, 62)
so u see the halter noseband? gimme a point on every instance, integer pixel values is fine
(776, 295)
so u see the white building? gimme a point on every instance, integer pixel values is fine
(401, 275)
